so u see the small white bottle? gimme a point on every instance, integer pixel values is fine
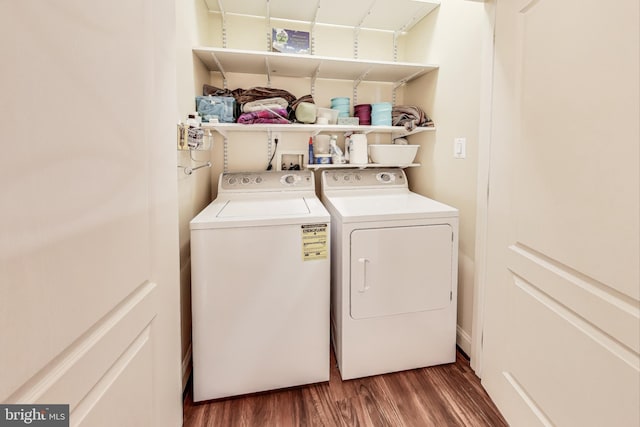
(192, 121)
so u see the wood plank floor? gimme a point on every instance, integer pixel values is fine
(443, 396)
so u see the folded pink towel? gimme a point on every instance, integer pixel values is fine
(264, 116)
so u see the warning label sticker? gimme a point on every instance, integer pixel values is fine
(314, 242)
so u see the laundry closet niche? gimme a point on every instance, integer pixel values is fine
(448, 41)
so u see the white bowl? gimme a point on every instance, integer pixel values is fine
(391, 154)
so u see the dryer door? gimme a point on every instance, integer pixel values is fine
(400, 270)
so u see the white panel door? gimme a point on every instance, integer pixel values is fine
(398, 270)
(561, 337)
(89, 289)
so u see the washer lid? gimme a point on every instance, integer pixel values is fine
(372, 207)
(247, 212)
(263, 208)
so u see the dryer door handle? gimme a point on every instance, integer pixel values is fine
(364, 286)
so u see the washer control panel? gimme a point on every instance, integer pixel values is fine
(266, 181)
(364, 178)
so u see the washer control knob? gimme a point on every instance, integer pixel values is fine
(385, 177)
(232, 180)
(258, 180)
(289, 179)
(246, 180)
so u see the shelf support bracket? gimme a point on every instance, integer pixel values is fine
(357, 28)
(313, 29)
(225, 154)
(221, 69)
(269, 145)
(268, 16)
(403, 82)
(395, 46)
(313, 80)
(268, 71)
(357, 82)
(224, 24)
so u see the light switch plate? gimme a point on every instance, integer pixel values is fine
(460, 148)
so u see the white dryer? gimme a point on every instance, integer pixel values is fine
(394, 257)
(260, 285)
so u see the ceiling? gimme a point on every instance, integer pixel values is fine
(387, 15)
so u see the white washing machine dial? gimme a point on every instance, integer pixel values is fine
(386, 177)
(290, 179)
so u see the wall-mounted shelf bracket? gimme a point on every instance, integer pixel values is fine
(402, 82)
(395, 46)
(269, 145)
(313, 30)
(314, 77)
(225, 154)
(221, 69)
(268, 22)
(223, 16)
(357, 28)
(357, 82)
(268, 71)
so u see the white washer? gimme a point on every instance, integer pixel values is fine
(260, 285)
(394, 260)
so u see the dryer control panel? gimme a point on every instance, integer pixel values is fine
(364, 178)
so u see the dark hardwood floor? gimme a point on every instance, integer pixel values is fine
(446, 395)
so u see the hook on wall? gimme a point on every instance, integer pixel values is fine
(188, 170)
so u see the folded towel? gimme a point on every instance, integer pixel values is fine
(410, 116)
(264, 116)
(265, 104)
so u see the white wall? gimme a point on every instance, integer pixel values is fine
(451, 37)
(194, 191)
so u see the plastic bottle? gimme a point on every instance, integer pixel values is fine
(311, 157)
(337, 157)
(192, 121)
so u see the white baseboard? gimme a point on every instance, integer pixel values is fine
(463, 339)
(187, 366)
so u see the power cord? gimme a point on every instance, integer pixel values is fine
(270, 165)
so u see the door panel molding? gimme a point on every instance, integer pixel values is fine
(104, 385)
(526, 400)
(524, 6)
(614, 313)
(73, 373)
(616, 348)
(572, 370)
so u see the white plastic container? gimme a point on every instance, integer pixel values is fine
(321, 144)
(358, 149)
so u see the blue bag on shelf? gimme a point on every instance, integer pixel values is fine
(221, 107)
